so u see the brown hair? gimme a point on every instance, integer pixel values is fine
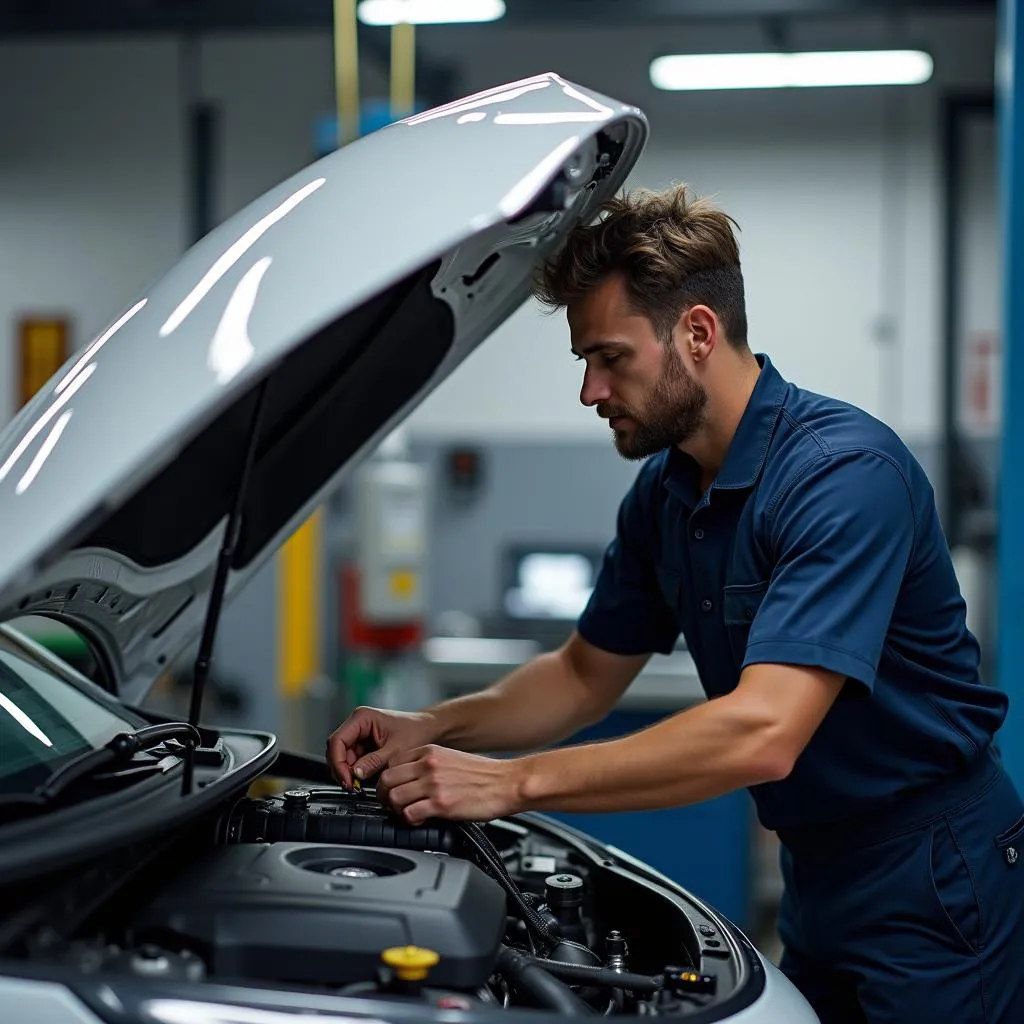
(674, 250)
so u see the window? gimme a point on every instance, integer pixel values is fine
(46, 716)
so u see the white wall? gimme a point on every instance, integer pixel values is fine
(836, 193)
(93, 172)
(91, 182)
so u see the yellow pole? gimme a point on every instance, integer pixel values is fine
(403, 69)
(346, 70)
(300, 583)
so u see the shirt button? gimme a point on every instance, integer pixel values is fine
(698, 534)
(706, 605)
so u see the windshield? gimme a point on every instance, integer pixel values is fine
(45, 719)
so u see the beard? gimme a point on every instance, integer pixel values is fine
(672, 413)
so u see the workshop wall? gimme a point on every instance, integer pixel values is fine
(91, 182)
(94, 173)
(836, 192)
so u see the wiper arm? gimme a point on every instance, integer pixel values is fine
(122, 748)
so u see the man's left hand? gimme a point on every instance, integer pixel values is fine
(437, 782)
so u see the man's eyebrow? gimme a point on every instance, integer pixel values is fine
(594, 346)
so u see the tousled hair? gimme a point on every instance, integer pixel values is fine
(674, 250)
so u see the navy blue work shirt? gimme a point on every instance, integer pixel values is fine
(818, 544)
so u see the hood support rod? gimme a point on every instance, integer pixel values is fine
(204, 658)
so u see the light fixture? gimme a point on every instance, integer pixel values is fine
(790, 70)
(429, 12)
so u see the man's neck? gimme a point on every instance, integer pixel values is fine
(726, 405)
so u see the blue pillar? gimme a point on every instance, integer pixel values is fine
(1010, 98)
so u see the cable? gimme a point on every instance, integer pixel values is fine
(475, 835)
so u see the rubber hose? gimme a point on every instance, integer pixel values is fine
(478, 838)
(597, 975)
(525, 973)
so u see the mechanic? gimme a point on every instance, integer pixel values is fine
(794, 541)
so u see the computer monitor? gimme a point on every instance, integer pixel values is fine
(548, 582)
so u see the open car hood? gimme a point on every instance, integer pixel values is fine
(352, 290)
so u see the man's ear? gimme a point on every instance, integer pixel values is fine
(701, 331)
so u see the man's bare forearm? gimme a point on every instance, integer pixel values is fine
(750, 736)
(541, 703)
(699, 754)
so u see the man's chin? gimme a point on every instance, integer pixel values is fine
(630, 450)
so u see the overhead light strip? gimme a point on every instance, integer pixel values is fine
(429, 12)
(809, 70)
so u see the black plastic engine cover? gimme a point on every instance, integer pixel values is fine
(316, 914)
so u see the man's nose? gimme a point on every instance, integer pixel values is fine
(594, 389)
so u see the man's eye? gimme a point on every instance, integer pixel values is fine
(608, 360)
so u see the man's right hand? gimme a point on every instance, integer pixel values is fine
(364, 743)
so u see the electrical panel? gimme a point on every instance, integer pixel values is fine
(391, 541)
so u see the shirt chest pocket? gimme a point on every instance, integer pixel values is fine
(740, 603)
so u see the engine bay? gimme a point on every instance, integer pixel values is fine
(324, 890)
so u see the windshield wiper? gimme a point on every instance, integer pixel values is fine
(120, 750)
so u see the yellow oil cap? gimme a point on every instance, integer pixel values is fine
(410, 963)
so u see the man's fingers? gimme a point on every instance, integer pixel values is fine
(347, 744)
(372, 763)
(337, 759)
(358, 726)
(408, 756)
(419, 812)
(398, 775)
(409, 793)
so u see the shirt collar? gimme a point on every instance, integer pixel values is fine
(749, 448)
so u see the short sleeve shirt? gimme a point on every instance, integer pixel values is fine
(818, 544)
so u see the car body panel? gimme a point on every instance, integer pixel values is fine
(47, 1002)
(377, 269)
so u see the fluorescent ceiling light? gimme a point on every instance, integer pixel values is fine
(429, 12)
(790, 70)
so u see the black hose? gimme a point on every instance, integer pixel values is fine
(585, 975)
(547, 933)
(525, 973)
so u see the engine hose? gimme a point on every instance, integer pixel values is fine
(491, 858)
(585, 975)
(526, 975)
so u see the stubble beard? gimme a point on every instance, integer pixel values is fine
(671, 414)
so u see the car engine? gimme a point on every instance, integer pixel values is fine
(344, 904)
(325, 890)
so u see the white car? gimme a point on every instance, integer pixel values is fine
(148, 481)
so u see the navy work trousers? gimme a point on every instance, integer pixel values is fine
(916, 915)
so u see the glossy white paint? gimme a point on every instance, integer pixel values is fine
(437, 186)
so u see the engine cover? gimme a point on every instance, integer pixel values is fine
(296, 912)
